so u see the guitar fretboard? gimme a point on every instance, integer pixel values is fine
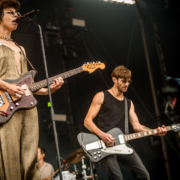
(129, 137)
(43, 83)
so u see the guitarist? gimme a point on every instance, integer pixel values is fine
(19, 136)
(108, 108)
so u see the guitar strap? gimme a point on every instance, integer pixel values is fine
(25, 56)
(126, 129)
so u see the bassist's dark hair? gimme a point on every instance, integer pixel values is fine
(121, 72)
(8, 3)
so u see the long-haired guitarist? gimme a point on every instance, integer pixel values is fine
(19, 136)
(108, 107)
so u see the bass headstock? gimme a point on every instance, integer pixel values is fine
(91, 67)
(175, 127)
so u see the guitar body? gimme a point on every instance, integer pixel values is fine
(96, 149)
(9, 104)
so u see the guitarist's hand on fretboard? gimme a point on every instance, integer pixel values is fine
(56, 84)
(161, 131)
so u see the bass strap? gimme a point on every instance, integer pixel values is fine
(126, 129)
(25, 56)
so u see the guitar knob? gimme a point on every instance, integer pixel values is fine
(99, 155)
(98, 152)
(17, 104)
(11, 108)
(94, 153)
(31, 103)
(95, 157)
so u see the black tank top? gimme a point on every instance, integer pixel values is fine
(111, 113)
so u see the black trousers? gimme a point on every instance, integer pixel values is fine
(131, 162)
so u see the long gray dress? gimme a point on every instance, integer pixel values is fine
(19, 136)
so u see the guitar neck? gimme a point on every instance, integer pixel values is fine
(43, 83)
(129, 137)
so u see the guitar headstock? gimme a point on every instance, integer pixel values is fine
(175, 127)
(91, 67)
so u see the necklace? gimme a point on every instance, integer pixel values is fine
(5, 38)
(116, 96)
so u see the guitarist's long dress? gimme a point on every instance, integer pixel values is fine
(19, 136)
(111, 115)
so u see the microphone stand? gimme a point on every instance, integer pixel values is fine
(50, 98)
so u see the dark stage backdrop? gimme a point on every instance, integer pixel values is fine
(108, 39)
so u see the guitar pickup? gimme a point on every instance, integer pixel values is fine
(95, 145)
(26, 92)
(1, 101)
(121, 139)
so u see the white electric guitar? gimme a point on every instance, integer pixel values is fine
(96, 149)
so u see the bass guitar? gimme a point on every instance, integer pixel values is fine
(9, 104)
(96, 149)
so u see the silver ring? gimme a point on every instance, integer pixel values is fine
(17, 95)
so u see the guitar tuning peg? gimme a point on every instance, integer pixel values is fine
(93, 62)
(87, 62)
(84, 62)
(99, 62)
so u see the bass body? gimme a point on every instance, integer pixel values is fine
(10, 104)
(96, 149)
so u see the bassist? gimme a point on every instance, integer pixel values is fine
(19, 136)
(108, 108)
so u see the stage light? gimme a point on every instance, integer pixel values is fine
(129, 2)
(78, 22)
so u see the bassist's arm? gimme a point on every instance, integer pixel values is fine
(4, 85)
(139, 127)
(42, 91)
(10, 88)
(92, 113)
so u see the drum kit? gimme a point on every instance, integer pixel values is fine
(70, 173)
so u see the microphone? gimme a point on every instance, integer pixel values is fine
(26, 16)
(173, 79)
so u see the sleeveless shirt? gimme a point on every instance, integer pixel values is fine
(111, 113)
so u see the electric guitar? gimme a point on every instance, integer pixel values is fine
(96, 149)
(10, 104)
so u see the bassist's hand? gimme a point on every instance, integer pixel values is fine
(108, 139)
(161, 131)
(14, 90)
(56, 84)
